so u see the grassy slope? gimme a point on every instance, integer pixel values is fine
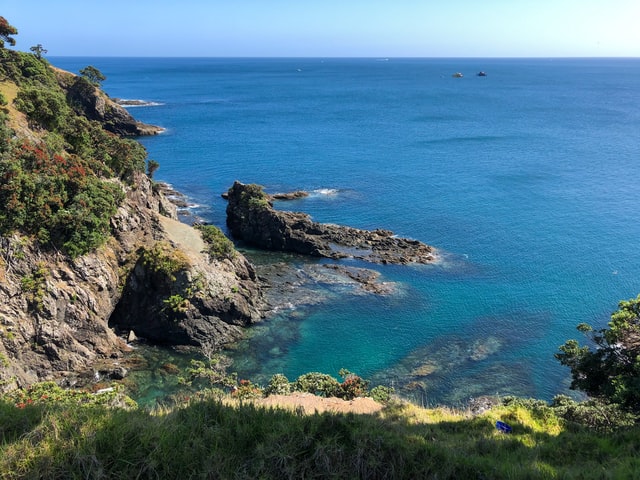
(206, 439)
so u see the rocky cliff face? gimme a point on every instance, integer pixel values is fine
(57, 315)
(252, 218)
(91, 102)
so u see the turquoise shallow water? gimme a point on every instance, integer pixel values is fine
(526, 179)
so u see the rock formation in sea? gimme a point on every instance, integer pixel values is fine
(252, 219)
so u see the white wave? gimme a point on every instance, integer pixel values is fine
(128, 103)
(326, 191)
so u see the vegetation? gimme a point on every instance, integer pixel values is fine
(254, 198)
(56, 186)
(62, 185)
(38, 50)
(611, 372)
(6, 32)
(92, 74)
(163, 260)
(218, 245)
(212, 438)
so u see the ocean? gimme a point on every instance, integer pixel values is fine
(525, 180)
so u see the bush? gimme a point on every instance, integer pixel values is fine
(594, 414)
(43, 106)
(317, 383)
(381, 393)
(164, 260)
(57, 198)
(278, 385)
(352, 386)
(611, 372)
(218, 245)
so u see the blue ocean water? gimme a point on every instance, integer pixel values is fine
(525, 180)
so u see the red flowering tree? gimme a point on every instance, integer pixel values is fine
(6, 30)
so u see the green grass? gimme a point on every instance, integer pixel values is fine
(212, 439)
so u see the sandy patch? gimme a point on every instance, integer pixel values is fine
(311, 404)
(184, 236)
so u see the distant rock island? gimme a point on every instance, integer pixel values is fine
(252, 219)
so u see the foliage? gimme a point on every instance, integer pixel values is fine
(164, 260)
(381, 393)
(611, 372)
(212, 439)
(92, 74)
(51, 394)
(34, 285)
(218, 245)
(212, 372)
(6, 32)
(177, 303)
(57, 198)
(56, 189)
(152, 166)
(352, 385)
(594, 414)
(317, 383)
(246, 390)
(38, 50)
(45, 107)
(26, 69)
(278, 385)
(254, 198)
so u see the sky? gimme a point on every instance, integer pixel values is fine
(328, 28)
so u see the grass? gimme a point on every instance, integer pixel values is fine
(212, 439)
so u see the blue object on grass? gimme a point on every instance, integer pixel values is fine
(503, 427)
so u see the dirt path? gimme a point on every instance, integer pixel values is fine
(186, 237)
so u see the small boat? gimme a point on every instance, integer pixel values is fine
(457, 75)
(482, 74)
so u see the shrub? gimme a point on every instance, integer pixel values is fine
(177, 303)
(254, 198)
(164, 260)
(381, 393)
(278, 385)
(246, 390)
(218, 245)
(594, 414)
(317, 383)
(44, 106)
(352, 386)
(611, 372)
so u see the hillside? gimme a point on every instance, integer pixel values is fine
(91, 249)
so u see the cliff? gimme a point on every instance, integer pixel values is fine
(90, 248)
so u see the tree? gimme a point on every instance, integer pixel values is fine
(92, 74)
(612, 371)
(38, 50)
(152, 166)
(6, 30)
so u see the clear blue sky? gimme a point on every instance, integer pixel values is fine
(328, 28)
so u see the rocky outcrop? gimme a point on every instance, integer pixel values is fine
(252, 219)
(91, 102)
(176, 295)
(60, 317)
